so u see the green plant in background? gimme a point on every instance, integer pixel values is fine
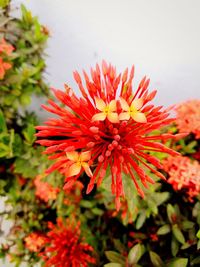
(162, 229)
(25, 78)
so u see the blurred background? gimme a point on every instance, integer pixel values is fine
(161, 38)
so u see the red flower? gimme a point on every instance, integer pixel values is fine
(105, 129)
(66, 247)
(188, 115)
(35, 241)
(183, 174)
(5, 47)
(4, 66)
(44, 190)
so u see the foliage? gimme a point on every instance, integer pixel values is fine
(162, 229)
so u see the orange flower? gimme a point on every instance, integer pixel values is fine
(188, 117)
(79, 161)
(5, 47)
(183, 174)
(44, 190)
(4, 66)
(132, 111)
(107, 111)
(35, 241)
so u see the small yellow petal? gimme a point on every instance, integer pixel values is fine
(99, 117)
(74, 169)
(139, 117)
(137, 103)
(72, 155)
(112, 105)
(124, 116)
(113, 117)
(124, 104)
(85, 156)
(87, 169)
(100, 104)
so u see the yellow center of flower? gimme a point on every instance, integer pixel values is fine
(106, 110)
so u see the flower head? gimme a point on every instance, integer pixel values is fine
(66, 247)
(108, 127)
(5, 47)
(35, 241)
(183, 174)
(44, 190)
(188, 114)
(4, 66)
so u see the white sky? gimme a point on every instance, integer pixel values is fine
(160, 37)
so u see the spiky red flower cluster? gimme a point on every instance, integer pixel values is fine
(44, 190)
(183, 174)
(188, 117)
(107, 128)
(5, 49)
(35, 241)
(66, 247)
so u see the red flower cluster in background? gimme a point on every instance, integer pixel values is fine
(44, 190)
(35, 241)
(105, 129)
(65, 246)
(183, 174)
(188, 117)
(5, 49)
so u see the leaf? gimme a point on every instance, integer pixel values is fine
(155, 259)
(195, 261)
(178, 262)
(160, 198)
(29, 134)
(170, 212)
(113, 265)
(87, 204)
(174, 246)
(163, 230)
(140, 220)
(135, 254)
(198, 234)
(115, 257)
(178, 234)
(4, 3)
(186, 225)
(3, 127)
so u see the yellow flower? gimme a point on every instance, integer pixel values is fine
(132, 111)
(107, 111)
(79, 161)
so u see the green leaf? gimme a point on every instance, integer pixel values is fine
(135, 254)
(178, 262)
(186, 225)
(163, 230)
(87, 204)
(4, 3)
(170, 212)
(198, 244)
(113, 265)
(115, 257)
(3, 127)
(29, 134)
(195, 261)
(160, 198)
(198, 234)
(155, 259)
(178, 234)
(174, 246)
(140, 220)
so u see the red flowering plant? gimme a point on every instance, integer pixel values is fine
(108, 127)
